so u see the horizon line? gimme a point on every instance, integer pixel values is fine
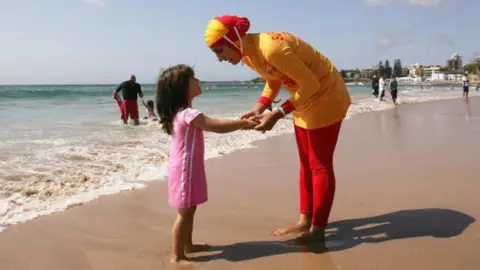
(50, 84)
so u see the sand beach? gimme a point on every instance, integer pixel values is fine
(407, 198)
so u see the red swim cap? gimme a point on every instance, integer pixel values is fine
(224, 26)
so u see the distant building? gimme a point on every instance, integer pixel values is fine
(367, 73)
(409, 79)
(438, 77)
(445, 77)
(455, 62)
(429, 70)
(416, 70)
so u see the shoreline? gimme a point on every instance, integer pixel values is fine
(384, 188)
(83, 198)
(425, 83)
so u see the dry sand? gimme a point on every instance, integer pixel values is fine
(407, 198)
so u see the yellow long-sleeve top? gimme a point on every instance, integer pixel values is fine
(319, 96)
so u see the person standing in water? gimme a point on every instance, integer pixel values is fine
(319, 102)
(381, 87)
(393, 89)
(150, 110)
(465, 84)
(130, 90)
(375, 86)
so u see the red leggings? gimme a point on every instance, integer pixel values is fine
(317, 180)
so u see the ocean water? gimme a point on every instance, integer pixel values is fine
(63, 145)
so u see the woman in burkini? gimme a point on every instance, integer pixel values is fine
(319, 102)
(187, 183)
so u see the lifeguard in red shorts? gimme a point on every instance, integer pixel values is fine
(319, 102)
(130, 90)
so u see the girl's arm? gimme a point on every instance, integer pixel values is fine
(144, 104)
(222, 126)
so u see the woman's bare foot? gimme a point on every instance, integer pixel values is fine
(314, 235)
(196, 247)
(301, 226)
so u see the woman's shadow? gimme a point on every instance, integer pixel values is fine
(438, 223)
(346, 234)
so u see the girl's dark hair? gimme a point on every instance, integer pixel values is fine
(172, 93)
(150, 104)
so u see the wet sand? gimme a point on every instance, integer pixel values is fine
(407, 198)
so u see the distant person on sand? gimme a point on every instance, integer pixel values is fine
(150, 110)
(393, 89)
(275, 101)
(381, 87)
(187, 183)
(319, 98)
(478, 87)
(375, 86)
(130, 90)
(465, 84)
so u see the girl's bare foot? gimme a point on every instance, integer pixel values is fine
(301, 226)
(196, 247)
(180, 260)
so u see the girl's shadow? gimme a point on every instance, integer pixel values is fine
(346, 234)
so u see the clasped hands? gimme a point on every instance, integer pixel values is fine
(264, 121)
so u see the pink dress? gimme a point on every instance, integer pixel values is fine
(187, 182)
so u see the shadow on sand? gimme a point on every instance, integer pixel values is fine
(346, 234)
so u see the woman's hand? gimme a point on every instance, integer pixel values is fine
(268, 120)
(257, 110)
(254, 113)
(250, 114)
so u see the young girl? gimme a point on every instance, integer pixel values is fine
(187, 183)
(150, 110)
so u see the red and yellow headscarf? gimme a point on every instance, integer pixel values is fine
(226, 30)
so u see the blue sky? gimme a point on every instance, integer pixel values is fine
(103, 41)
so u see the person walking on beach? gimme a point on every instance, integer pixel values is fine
(381, 87)
(465, 84)
(319, 102)
(130, 90)
(176, 87)
(375, 86)
(393, 89)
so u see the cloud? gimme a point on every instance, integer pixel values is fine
(391, 38)
(376, 2)
(425, 3)
(100, 3)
